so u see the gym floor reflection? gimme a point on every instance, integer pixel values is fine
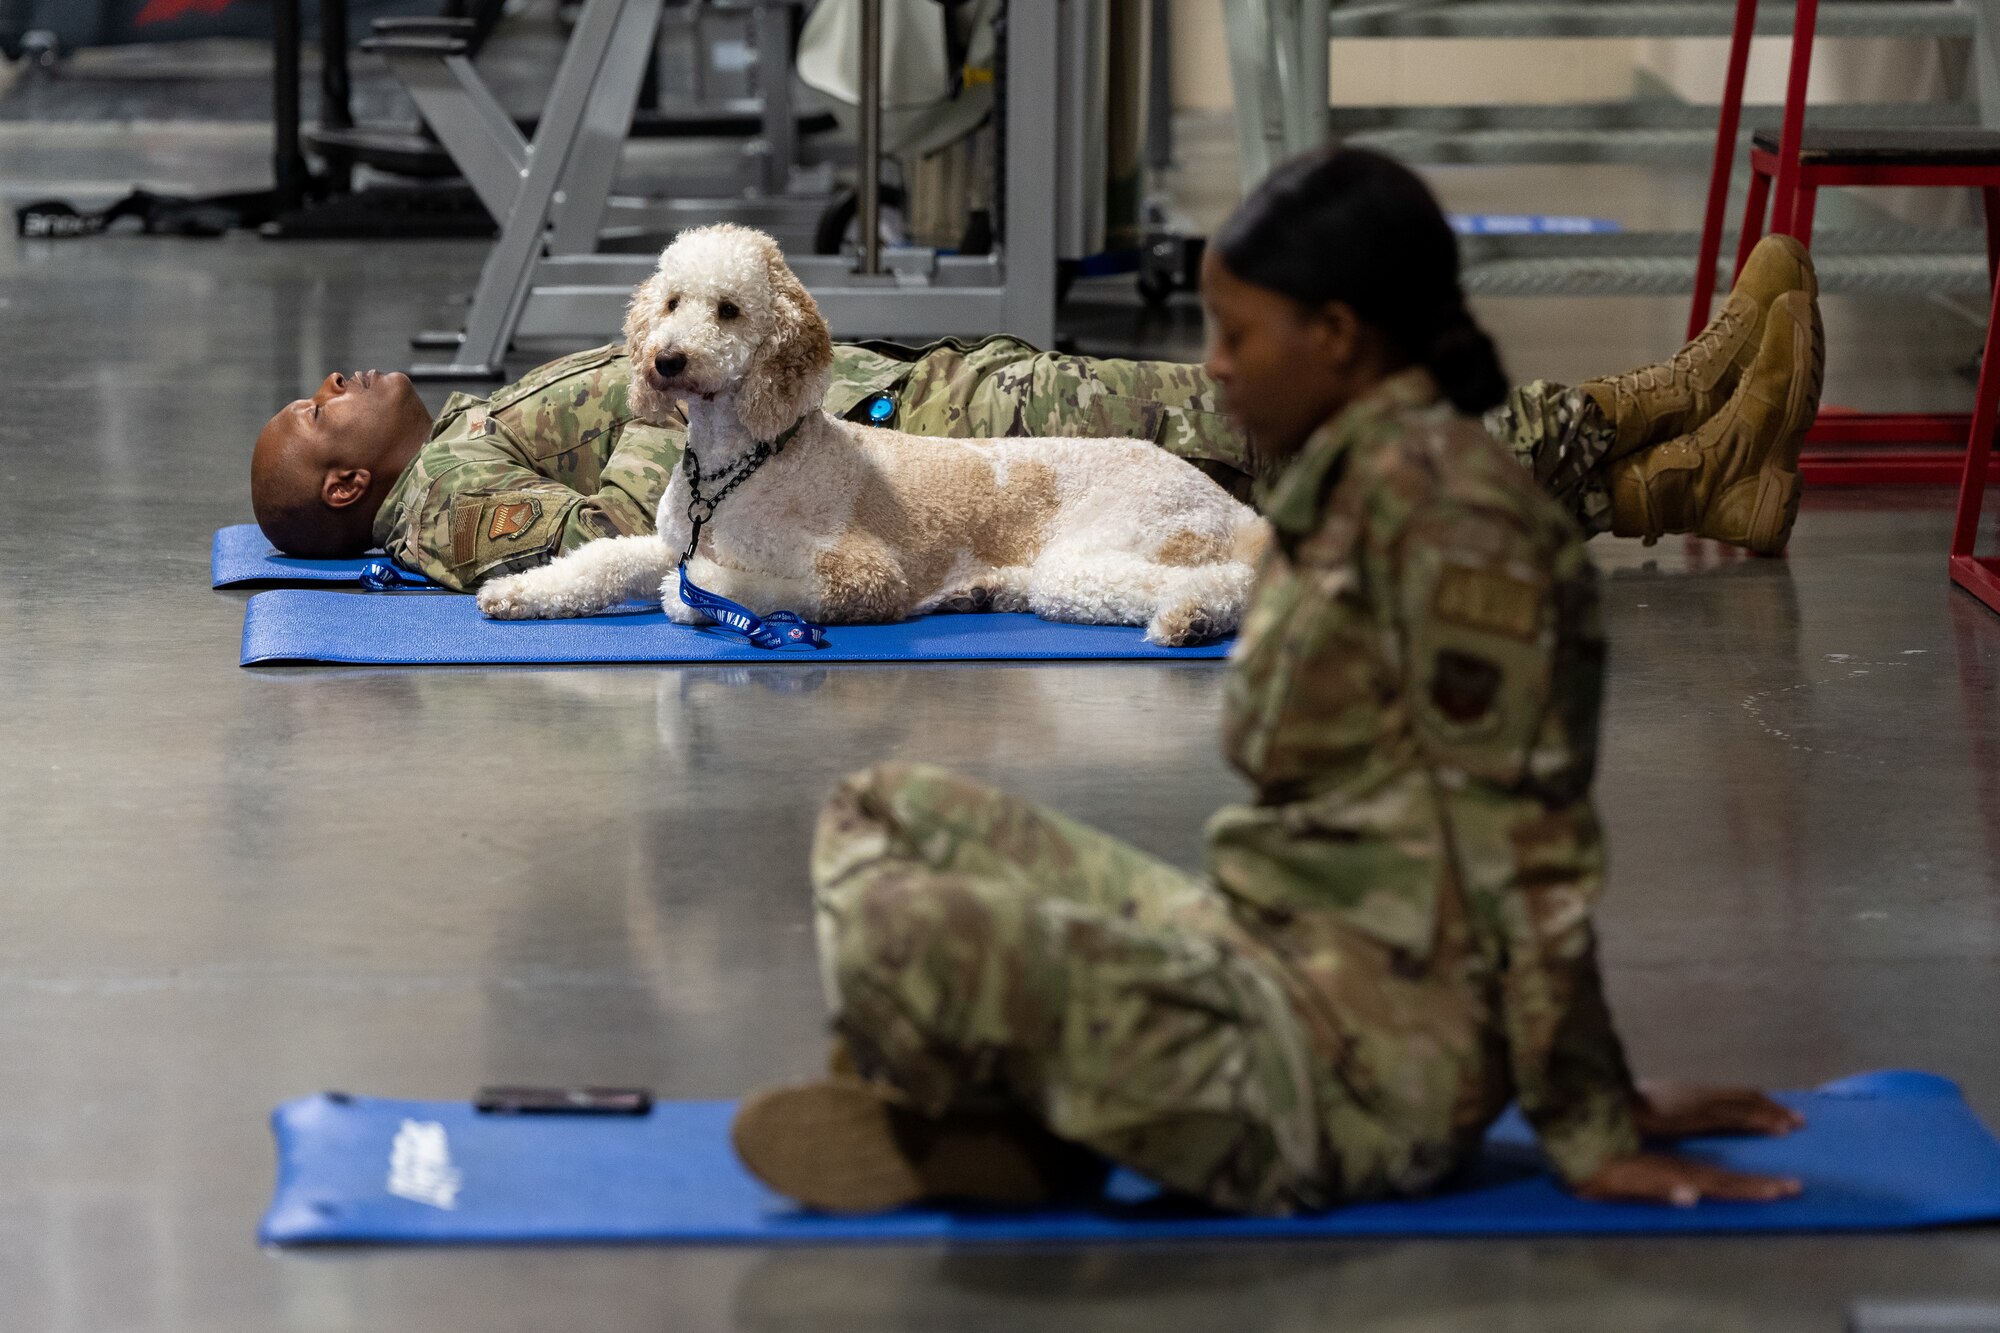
(227, 887)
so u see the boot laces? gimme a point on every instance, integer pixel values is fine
(1664, 374)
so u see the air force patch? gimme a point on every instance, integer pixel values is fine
(511, 518)
(1463, 686)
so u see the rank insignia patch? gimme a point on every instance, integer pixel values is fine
(1489, 601)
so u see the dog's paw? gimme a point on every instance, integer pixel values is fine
(1000, 594)
(505, 599)
(1185, 626)
(967, 600)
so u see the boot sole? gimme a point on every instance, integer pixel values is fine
(1803, 258)
(1778, 484)
(830, 1145)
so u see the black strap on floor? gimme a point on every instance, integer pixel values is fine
(156, 215)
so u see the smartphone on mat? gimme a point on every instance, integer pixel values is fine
(564, 1101)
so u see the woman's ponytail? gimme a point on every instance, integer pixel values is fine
(1465, 364)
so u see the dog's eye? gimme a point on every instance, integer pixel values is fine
(727, 309)
(673, 304)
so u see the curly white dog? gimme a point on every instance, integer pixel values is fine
(848, 523)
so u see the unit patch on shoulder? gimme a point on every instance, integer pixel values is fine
(512, 518)
(1489, 601)
(1463, 686)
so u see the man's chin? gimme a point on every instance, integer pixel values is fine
(409, 407)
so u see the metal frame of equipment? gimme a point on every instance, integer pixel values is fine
(1278, 66)
(552, 194)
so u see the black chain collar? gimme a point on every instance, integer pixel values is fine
(701, 508)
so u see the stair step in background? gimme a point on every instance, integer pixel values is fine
(1861, 246)
(1643, 132)
(1644, 18)
(1891, 260)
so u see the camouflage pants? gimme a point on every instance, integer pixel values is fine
(977, 950)
(1005, 387)
(1561, 436)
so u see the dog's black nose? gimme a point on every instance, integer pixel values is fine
(669, 365)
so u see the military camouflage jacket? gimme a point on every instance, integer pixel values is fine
(547, 464)
(557, 459)
(1414, 696)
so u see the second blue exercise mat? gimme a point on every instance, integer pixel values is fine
(1880, 1152)
(310, 625)
(242, 555)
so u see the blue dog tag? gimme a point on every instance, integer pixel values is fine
(880, 408)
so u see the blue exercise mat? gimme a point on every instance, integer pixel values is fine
(1880, 1152)
(430, 628)
(241, 555)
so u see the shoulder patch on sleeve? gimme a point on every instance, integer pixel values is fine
(513, 518)
(1489, 601)
(1463, 686)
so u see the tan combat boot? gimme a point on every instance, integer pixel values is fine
(843, 1145)
(1736, 478)
(1673, 397)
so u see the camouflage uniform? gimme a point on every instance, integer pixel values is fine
(541, 467)
(1562, 437)
(1003, 386)
(1393, 938)
(557, 459)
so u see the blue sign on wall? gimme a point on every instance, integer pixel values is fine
(1530, 224)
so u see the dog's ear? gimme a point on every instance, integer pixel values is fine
(645, 307)
(648, 403)
(790, 371)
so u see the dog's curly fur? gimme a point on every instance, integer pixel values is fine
(850, 523)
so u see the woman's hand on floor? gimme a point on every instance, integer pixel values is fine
(1665, 1110)
(1646, 1177)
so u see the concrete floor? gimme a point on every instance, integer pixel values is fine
(224, 888)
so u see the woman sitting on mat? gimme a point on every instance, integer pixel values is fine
(1394, 937)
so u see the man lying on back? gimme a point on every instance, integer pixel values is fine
(556, 459)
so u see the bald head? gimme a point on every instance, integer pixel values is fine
(323, 465)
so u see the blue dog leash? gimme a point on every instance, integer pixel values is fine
(385, 576)
(780, 629)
